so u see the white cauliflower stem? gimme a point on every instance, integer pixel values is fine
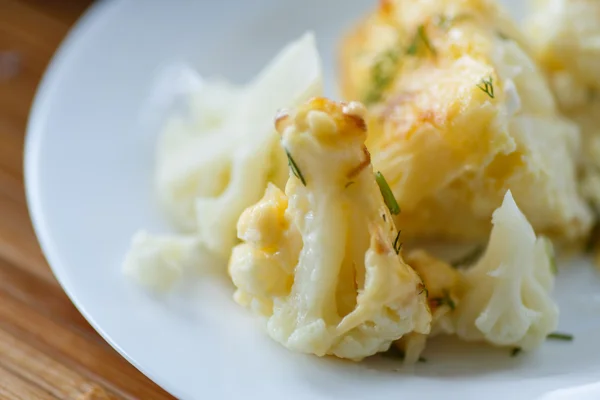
(216, 161)
(320, 260)
(507, 301)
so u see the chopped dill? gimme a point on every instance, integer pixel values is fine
(383, 216)
(420, 38)
(445, 22)
(349, 184)
(487, 86)
(388, 195)
(567, 337)
(423, 289)
(551, 255)
(592, 94)
(502, 36)
(382, 75)
(470, 257)
(515, 351)
(385, 67)
(294, 168)
(397, 244)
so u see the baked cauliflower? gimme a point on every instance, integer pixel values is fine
(507, 300)
(566, 39)
(460, 114)
(565, 35)
(322, 261)
(217, 160)
(445, 288)
(158, 262)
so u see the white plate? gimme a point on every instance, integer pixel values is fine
(89, 173)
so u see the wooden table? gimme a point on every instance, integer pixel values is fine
(47, 349)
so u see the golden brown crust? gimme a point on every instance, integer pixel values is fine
(348, 121)
(281, 121)
(360, 167)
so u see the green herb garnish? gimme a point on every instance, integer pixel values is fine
(382, 75)
(295, 168)
(515, 351)
(567, 337)
(446, 22)
(445, 300)
(397, 244)
(349, 184)
(420, 38)
(386, 192)
(487, 86)
(502, 36)
(551, 255)
(470, 257)
(592, 94)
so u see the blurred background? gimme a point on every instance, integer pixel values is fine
(47, 349)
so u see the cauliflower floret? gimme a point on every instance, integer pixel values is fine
(507, 300)
(157, 262)
(216, 161)
(445, 287)
(566, 38)
(264, 264)
(459, 114)
(411, 346)
(322, 261)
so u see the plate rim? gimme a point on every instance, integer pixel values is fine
(34, 129)
(38, 115)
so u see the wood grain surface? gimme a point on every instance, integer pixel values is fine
(47, 349)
